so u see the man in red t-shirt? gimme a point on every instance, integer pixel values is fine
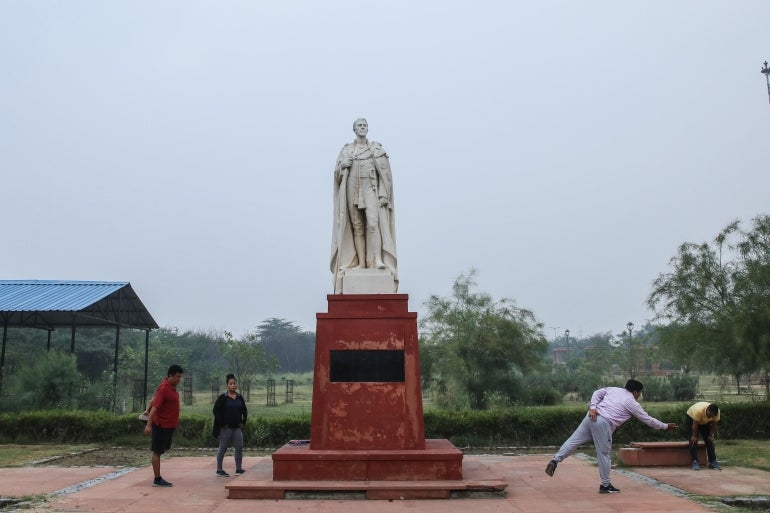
(163, 419)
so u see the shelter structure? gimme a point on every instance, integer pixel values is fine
(50, 304)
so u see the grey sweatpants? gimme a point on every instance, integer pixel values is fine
(230, 436)
(598, 431)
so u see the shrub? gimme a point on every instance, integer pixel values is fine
(657, 389)
(684, 386)
(520, 426)
(50, 381)
(542, 395)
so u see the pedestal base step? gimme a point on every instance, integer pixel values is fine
(438, 461)
(257, 483)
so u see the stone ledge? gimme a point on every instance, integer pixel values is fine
(643, 454)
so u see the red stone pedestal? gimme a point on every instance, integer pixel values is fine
(365, 415)
(367, 420)
(367, 434)
(440, 460)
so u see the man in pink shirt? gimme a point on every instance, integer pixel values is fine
(610, 407)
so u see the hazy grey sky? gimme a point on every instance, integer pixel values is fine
(563, 149)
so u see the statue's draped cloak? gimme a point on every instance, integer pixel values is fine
(343, 255)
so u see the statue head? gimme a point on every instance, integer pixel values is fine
(360, 127)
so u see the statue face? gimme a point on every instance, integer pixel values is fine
(361, 128)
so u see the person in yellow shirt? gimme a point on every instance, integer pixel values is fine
(702, 419)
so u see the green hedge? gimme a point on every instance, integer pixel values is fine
(520, 427)
(78, 427)
(527, 427)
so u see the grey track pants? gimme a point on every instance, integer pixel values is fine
(600, 433)
(227, 437)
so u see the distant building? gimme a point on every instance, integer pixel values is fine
(561, 355)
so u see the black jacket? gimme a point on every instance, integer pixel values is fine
(229, 417)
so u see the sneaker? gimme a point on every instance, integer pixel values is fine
(551, 467)
(715, 465)
(143, 417)
(240, 471)
(608, 489)
(159, 481)
(695, 465)
(222, 473)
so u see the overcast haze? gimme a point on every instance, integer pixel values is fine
(563, 149)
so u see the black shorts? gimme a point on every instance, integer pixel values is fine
(161, 439)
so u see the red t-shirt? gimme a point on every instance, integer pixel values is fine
(166, 401)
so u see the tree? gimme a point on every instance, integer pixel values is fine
(753, 285)
(716, 301)
(478, 347)
(598, 365)
(49, 381)
(247, 357)
(293, 347)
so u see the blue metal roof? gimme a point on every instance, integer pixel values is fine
(48, 303)
(49, 295)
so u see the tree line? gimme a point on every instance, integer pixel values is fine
(712, 314)
(39, 374)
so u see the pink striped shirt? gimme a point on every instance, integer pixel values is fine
(617, 405)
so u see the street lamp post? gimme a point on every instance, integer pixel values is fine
(766, 71)
(630, 326)
(566, 334)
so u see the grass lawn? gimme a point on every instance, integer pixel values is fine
(730, 453)
(13, 455)
(744, 453)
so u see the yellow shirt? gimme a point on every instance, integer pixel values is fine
(697, 412)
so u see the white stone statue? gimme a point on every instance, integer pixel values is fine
(364, 236)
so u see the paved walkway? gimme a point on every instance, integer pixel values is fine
(196, 489)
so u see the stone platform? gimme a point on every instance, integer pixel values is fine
(440, 460)
(258, 483)
(643, 454)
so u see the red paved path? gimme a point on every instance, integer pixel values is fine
(574, 488)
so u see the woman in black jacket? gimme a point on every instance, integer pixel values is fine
(229, 418)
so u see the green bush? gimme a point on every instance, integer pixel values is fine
(657, 389)
(66, 426)
(685, 387)
(542, 395)
(520, 427)
(50, 381)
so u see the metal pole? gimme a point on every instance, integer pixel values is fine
(766, 71)
(566, 334)
(146, 357)
(2, 355)
(115, 372)
(630, 327)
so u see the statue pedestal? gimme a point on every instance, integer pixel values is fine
(367, 431)
(370, 281)
(367, 420)
(439, 460)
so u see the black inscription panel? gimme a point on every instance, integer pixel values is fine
(367, 366)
